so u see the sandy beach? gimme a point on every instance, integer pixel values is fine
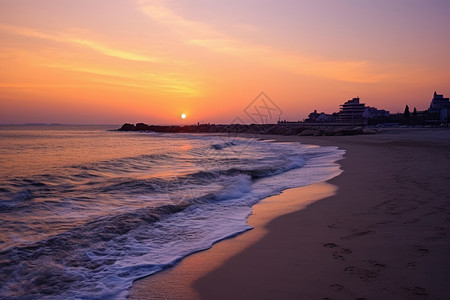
(379, 231)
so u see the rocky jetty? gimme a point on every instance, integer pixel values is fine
(301, 129)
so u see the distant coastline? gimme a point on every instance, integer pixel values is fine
(282, 128)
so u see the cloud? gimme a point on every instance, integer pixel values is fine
(201, 35)
(33, 85)
(160, 11)
(159, 81)
(144, 77)
(66, 38)
(53, 71)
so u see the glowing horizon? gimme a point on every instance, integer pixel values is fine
(112, 62)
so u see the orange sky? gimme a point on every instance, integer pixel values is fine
(116, 61)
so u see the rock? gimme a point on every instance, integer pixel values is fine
(317, 133)
(270, 130)
(278, 130)
(142, 127)
(289, 131)
(349, 131)
(298, 130)
(328, 132)
(369, 131)
(357, 130)
(306, 132)
(127, 127)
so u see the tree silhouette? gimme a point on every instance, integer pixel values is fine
(406, 113)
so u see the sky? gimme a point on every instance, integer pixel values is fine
(117, 61)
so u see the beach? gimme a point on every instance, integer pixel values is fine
(379, 231)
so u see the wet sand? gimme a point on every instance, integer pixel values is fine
(383, 235)
(177, 282)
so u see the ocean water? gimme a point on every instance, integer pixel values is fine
(85, 211)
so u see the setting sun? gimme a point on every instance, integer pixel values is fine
(183, 116)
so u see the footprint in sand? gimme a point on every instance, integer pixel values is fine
(339, 254)
(418, 291)
(341, 289)
(411, 265)
(412, 221)
(330, 245)
(366, 274)
(420, 251)
(375, 264)
(363, 274)
(336, 255)
(356, 234)
(337, 287)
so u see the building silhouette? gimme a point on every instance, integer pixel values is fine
(440, 106)
(352, 112)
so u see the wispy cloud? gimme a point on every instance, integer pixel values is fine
(201, 35)
(160, 11)
(34, 85)
(145, 77)
(66, 38)
(160, 81)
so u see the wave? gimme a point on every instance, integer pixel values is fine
(23, 195)
(47, 188)
(125, 164)
(100, 225)
(198, 178)
(72, 260)
(130, 185)
(234, 188)
(82, 262)
(73, 263)
(223, 145)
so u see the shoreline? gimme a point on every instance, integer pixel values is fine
(177, 282)
(341, 247)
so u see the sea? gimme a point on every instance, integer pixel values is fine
(87, 210)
